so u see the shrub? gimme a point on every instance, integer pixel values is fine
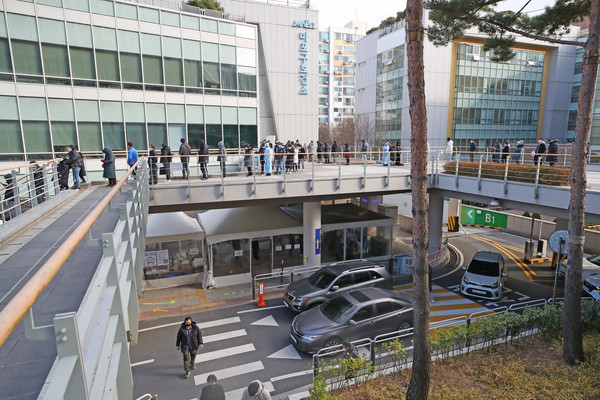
(554, 176)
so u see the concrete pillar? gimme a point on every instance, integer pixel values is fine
(562, 224)
(371, 202)
(436, 214)
(311, 219)
(454, 207)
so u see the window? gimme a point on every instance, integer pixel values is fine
(364, 313)
(173, 64)
(36, 131)
(131, 66)
(210, 54)
(80, 46)
(24, 40)
(387, 307)
(343, 281)
(107, 61)
(9, 125)
(151, 58)
(192, 64)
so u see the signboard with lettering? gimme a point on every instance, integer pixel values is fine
(303, 53)
(478, 216)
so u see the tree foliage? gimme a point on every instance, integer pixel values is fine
(206, 4)
(388, 22)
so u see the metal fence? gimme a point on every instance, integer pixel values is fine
(93, 342)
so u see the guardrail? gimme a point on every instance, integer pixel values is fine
(384, 358)
(277, 280)
(92, 343)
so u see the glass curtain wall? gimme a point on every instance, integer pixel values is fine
(388, 94)
(82, 54)
(230, 127)
(248, 126)
(210, 57)
(36, 131)
(129, 54)
(496, 101)
(195, 120)
(157, 128)
(25, 48)
(173, 62)
(135, 125)
(88, 125)
(107, 60)
(152, 61)
(192, 66)
(246, 61)
(214, 132)
(62, 123)
(9, 126)
(228, 70)
(54, 51)
(112, 125)
(5, 62)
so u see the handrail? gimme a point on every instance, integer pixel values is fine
(16, 309)
(30, 164)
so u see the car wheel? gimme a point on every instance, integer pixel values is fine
(332, 342)
(404, 325)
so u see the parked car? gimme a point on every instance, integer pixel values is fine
(590, 275)
(352, 315)
(485, 277)
(333, 279)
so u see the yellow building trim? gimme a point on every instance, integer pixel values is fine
(543, 93)
(451, 90)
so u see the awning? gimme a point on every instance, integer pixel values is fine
(171, 227)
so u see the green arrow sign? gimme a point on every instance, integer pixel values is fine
(478, 216)
(161, 302)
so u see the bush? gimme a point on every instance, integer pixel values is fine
(554, 176)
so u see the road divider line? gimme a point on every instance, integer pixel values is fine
(228, 352)
(142, 363)
(201, 325)
(230, 372)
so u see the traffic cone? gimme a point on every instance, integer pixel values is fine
(261, 294)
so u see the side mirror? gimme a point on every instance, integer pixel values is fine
(504, 274)
(335, 288)
(464, 267)
(352, 322)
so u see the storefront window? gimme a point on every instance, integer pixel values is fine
(170, 259)
(287, 249)
(231, 257)
(374, 245)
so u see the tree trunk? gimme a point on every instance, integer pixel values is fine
(572, 329)
(418, 389)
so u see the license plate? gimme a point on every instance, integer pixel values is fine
(478, 291)
(294, 339)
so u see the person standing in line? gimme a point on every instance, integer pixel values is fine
(75, 162)
(268, 159)
(539, 152)
(399, 154)
(518, 157)
(256, 391)
(289, 157)
(184, 153)
(222, 159)
(505, 151)
(364, 149)
(497, 149)
(335, 150)
(319, 151)
(449, 149)
(203, 158)
(189, 339)
(347, 153)
(301, 156)
(296, 156)
(327, 151)
(9, 195)
(385, 154)
(63, 173)
(261, 151)
(108, 164)
(38, 181)
(153, 164)
(212, 391)
(472, 149)
(552, 156)
(248, 158)
(165, 160)
(278, 158)
(132, 155)
(392, 147)
(311, 151)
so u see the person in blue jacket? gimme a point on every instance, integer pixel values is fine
(385, 156)
(132, 155)
(268, 156)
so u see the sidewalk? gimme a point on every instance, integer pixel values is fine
(183, 300)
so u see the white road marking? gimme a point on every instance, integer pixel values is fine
(288, 352)
(225, 335)
(461, 311)
(260, 309)
(523, 296)
(292, 375)
(230, 351)
(201, 325)
(266, 321)
(238, 393)
(230, 372)
(143, 362)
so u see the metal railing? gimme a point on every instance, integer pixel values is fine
(380, 357)
(92, 343)
(26, 186)
(281, 279)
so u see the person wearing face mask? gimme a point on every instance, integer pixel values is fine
(189, 339)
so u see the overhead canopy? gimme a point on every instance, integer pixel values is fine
(173, 226)
(246, 223)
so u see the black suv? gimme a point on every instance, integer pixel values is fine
(333, 279)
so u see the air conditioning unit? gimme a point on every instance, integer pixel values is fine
(325, 40)
(326, 51)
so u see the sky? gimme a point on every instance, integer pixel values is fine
(339, 12)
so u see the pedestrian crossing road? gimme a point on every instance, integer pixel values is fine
(242, 344)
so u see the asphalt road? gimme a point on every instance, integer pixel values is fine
(244, 343)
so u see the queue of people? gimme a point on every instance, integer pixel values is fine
(501, 152)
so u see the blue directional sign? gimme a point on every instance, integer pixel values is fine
(318, 241)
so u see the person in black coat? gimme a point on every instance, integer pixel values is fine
(319, 151)
(38, 181)
(153, 164)
(9, 195)
(327, 151)
(335, 149)
(248, 158)
(289, 159)
(213, 391)
(261, 151)
(165, 160)
(63, 174)
(347, 153)
(552, 156)
(203, 158)
(505, 150)
(189, 339)
(539, 152)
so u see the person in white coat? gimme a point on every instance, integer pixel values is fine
(256, 391)
(449, 149)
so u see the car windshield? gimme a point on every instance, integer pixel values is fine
(336, 309)
(595, 259)
(321, 279)
(484, 268)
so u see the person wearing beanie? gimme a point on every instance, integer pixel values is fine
(256, 391)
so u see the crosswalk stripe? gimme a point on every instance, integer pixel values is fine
(230, 351)
(230, 372)
(225, 335)
(202, 325)
(454, 306)
(292, 375)
(238, 393)
(453, 312)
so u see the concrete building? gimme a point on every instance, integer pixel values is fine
(98, 73)
(337, 71)
(469, 96)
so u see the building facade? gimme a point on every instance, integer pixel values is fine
(469, 96)
(337, 71)
(99, 73)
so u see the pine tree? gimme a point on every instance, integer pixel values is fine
(206, 4)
